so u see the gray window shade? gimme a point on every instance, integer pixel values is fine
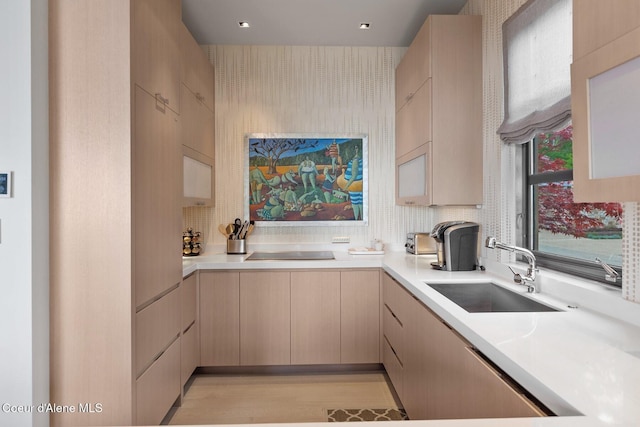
(537, 43)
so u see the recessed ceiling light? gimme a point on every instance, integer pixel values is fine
(243, 24)
(364, 25)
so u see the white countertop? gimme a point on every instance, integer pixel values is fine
(579, 362)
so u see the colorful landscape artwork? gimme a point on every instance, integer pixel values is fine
(316, 180)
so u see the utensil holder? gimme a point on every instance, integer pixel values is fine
(236, 246)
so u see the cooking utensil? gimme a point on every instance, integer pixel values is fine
(229, 231)
(223, 231)
(237, 224)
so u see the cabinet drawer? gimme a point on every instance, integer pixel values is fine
(393, 367)
(158, 387)
(392, 330)
(498, 396)
(188, 291)
(189, 354)
(392, 295)
(156, 326)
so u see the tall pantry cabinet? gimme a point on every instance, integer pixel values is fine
(115, 209)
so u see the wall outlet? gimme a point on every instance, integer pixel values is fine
(340, 239)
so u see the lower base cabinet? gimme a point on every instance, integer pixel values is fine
(299, 317)
(315, 317)
(360, 316)
(442, 376)
(265, 318)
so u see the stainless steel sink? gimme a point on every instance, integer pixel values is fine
(290, 255)
(487, 297)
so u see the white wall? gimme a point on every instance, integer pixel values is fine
(24, 298)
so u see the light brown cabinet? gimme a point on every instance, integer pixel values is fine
(196, 71)
(115, 163)
(158, 387)
(197, 130)
(219, 318)
(606, 38)
(360, 316)
(315, 317)
(157, 326)
(197, 133)
(439, 114)
(289, 317)
(441, 375)
(157, 167)
(156, 49)
(265, 318)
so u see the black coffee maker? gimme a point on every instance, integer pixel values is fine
(457, 245)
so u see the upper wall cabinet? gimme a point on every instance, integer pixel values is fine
(197, 71)
(197, 133)
(605, 96)
(155, 58)
(439, 114)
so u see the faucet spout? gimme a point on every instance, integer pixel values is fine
(530, 277)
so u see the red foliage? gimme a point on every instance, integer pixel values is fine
(557, 211)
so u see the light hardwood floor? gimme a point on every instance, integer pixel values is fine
(236, 399)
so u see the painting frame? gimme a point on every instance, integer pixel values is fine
(279, 193)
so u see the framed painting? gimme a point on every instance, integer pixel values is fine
(306, 179)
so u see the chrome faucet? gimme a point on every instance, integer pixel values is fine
(527, 280)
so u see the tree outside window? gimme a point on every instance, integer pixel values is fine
(561, 230)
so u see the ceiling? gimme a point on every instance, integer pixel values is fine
(311, 22)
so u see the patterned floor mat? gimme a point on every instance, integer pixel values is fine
(338, 415)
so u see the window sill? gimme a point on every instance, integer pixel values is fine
(575, 291)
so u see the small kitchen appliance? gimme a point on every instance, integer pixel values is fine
(457, 245)
(420, 244)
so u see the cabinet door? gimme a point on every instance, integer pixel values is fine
(265, 318)
(596, 23)
(414, 177)
(197, 123)
(157, 169)
(415, 67)
(315, 317)
(604, 100)
(198, 178)
(156, 67)
(360, 316)
(197, 71)
(219, 318)
(413, 121)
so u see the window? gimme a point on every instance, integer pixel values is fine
(564, 235)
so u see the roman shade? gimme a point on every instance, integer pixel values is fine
(537, 43)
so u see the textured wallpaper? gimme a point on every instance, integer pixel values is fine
(285, 89)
